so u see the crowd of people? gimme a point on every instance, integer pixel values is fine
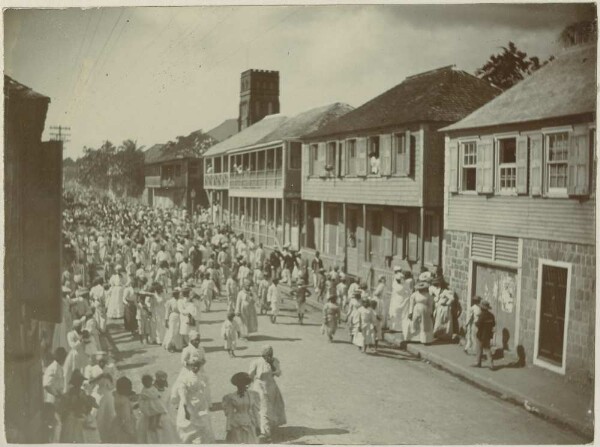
(156, 272)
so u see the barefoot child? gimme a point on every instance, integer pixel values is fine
(230, 331)
(300, 294)
(231, 288)
(151, 408)
(263, 287)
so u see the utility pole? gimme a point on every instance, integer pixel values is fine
(60, 133)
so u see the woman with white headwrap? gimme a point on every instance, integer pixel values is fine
(272, 408)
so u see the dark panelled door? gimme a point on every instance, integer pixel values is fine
(552, 313)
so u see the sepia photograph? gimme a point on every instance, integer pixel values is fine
(329, 224)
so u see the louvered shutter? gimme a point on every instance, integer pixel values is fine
(485, 166)
(306, 160)
(361, 156)
(322, 157)
(452, 166)
(482, 245)
(410, 143)
(506, 249)
(386, 154)
(535, 144)
(342, 159)
(578, 175)
(522, 157)
(387, 230)
(413, 238)
(341, 239)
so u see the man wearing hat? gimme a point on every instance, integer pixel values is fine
(485, 332)
(242, 412)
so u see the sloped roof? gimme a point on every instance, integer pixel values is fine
(152, 154)
(566, 86)
(15, 88)
(443, 95)
(224, 130)
(249, 136)
(309, 121)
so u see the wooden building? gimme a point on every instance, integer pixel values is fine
(372, 181)
(33, 218)
(173, 171)
(519, 218)
(260, 170)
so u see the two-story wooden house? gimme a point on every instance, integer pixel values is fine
(217, 168)
(519, 214)
(265, 175)
(372, 181)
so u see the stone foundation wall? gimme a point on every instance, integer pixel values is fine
(582, 306)
(456, 266)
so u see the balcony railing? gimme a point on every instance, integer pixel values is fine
(268, 179)
(170, 182)
(152, 181)
(218, 180)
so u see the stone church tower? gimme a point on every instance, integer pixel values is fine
(259, 96)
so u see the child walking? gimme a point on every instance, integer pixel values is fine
(230, 331)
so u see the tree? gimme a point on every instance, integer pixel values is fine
(579, 32)
(509, 67)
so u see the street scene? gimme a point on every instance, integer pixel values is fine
(254, 225)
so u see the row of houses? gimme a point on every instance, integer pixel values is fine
(441, 171)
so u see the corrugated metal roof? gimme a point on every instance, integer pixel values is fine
(224, 130)
(442, 95)
(249, 136)
(308, 121)
(566, 86)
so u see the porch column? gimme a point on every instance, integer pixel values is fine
(276, 239)
(345, 241)
(305, 219)
(365, 234)
(229, 209)
(258, 216)
(422, 236)
(322, 235)
(284, 236)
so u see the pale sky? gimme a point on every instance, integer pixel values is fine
(153, 73)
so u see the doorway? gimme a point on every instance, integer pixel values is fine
(552, 314)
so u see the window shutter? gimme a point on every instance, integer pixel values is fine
(340, 231)
(522, 157)
(413, 239)
(485, 166)
(435, 239)
(482, 245)
(386, 154)
(361, 156)
(322, 156)
(578, 175)
(452, 166)
(342, 159)
(410, 143)
(306, 160)
(387, 230)
(535, 143)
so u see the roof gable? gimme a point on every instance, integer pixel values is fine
(566, 86)
(442, 95)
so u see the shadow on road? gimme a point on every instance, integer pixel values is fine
(298, 324)
(132, 366)
(269, 338)
(291, 433)
(394, 354)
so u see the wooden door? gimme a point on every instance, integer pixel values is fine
(499, 287)
(551, 336)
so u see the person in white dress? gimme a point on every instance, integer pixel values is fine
(193, 405)
(274, 299)
(187, 315)
(115, 307)
(398, 320)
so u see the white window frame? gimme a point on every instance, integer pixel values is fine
(461, 165)
(540, 361)
(499, 166)
(547, 132)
